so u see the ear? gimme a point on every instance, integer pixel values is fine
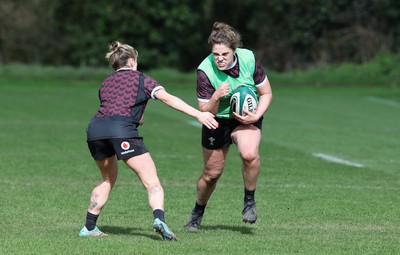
(133, 63)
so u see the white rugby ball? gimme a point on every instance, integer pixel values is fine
(243, 98)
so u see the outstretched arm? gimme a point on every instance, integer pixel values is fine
(205, 118)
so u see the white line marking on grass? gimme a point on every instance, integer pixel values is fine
(383, 101)
(194, 123)
(337, 160)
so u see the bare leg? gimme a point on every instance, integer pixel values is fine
(247, 139)
(145, 169)
(214, 161)
(109, 171)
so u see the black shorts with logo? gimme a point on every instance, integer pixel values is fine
(214, 139)
(124, 148)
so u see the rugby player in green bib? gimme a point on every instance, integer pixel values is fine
(227, 67)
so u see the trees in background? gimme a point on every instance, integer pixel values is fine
(285, 34)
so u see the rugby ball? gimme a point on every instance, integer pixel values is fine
(243, 98)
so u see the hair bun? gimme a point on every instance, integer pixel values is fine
(114, 46)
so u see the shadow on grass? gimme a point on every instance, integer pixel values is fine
(245, 230)
(112, 230)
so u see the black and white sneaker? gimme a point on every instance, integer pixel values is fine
(249, 212)
(194, 221)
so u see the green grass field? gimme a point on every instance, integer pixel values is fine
(307, 204)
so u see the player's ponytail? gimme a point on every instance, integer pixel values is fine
(119, 54)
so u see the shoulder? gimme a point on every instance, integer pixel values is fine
(148, 80)
(201, 74)
(244, 51)
(245, 54)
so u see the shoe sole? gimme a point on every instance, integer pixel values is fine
(249, 221)
(191, 229)
(95, 235)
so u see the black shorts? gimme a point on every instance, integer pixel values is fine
(124, 148)
(214, 139)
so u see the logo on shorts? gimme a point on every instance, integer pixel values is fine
(125, 145)
(211, 139)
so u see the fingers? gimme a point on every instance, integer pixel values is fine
(210, 122)
(207, 119)
(246, 118)
(223, 89)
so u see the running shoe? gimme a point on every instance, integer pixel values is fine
(92, 233)
(194, 221)
(162, 228)
(249, 212)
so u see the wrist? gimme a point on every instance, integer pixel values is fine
(214, 98)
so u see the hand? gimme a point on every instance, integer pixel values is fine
(222, 91)
(141, 122)
(247, 118)
(207, 119)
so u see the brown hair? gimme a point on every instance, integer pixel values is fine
(119, 54)
(224, 34)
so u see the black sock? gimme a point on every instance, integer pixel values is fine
(91, 220)
(158, 213)
(199, 208)
(249, 195)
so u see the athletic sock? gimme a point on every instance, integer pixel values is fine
(248, 195)
(91, 220)
(158, 213)
(199, 208)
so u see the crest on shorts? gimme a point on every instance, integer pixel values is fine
(125, 145)
(211, 139)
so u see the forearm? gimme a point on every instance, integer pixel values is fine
(264, 102)
(211, 106)
(180, 105)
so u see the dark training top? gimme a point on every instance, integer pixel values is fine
(123, 98)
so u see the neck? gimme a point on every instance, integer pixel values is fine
(233, 63)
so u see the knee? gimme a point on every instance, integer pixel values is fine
(211, 176)
(250, 158)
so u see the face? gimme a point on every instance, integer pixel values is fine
(223, 56)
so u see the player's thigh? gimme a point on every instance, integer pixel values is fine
(143, 165)
(108, 168)
(214, 160)
(247, 139)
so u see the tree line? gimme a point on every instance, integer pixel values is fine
(285, 34)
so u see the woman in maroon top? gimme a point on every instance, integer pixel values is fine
(113, 135)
